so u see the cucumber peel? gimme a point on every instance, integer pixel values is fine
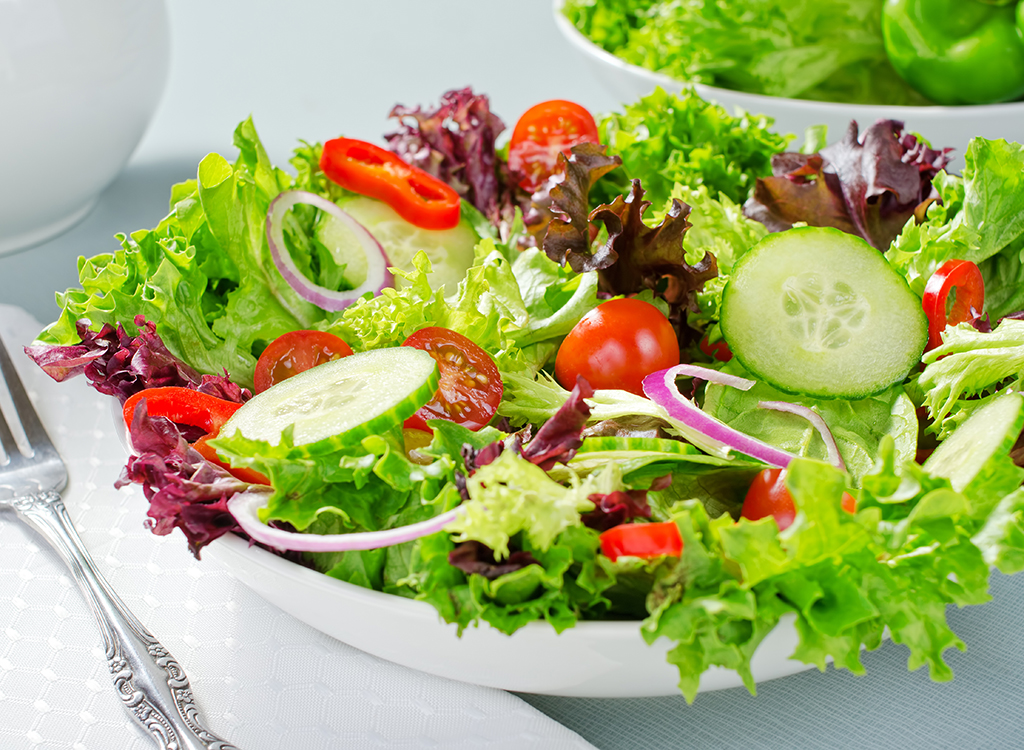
(338, 403)
(990, 431)
(820, 312)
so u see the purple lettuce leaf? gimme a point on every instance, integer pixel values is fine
(119, 364)
(184, 490)
(559, 438)
(560, 209)
(652, 258)
(614, 508)
(869, 185)
(456, 144)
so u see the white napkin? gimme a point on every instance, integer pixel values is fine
(261, 678)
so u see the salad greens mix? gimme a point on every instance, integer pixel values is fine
(829, 50)
(665, 210)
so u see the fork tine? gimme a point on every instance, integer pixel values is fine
(34, 430)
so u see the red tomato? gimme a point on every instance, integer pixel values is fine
(718, 350)
(470, 388)
(295, 352)
(617, 345)
(417, 196)
(544, 131)
(645, 540)
(954, 294)
(768, 496)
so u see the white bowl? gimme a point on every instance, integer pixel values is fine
(941, 126)
(79, 82)
(592, 659)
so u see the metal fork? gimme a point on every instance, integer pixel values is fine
(153, 686)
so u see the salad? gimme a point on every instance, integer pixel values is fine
(898, 52)
(652, 367)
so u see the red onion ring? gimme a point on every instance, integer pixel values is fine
(377, 274)
(660, 387)
(245, 508)
(817, 422)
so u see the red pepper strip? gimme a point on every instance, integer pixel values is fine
(966, 304)
(644, 540)
(418, 197)
(183, 406)
(201, 410)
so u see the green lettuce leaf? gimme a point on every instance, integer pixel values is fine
(857, 426)
(665, 139)
(810, 49)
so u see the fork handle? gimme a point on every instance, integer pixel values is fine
(153, 686)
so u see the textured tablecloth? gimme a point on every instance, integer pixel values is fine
(262, 679)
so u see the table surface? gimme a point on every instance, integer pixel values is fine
(314, 70)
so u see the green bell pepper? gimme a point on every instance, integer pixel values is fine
(957, 51)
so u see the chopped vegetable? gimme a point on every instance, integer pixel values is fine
(377, 274)
(419, 197)
(768, 496)
(643, 540)
(957, 51)
(954, 294)
(183, 406)
(817, 311)
(339, 402)
(543, 132)
(710, 433)
(295, 352)
(244, 507)
(470, 385)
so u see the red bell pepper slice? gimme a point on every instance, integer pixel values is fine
(196, 409)
(417, 196)
(644, 540)
(183, 406)
(954, 294)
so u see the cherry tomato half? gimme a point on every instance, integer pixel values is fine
(617, 345)
(954, 294)
(768, 496)
(295, 352)
(470, 388)
(544, 131)
(644, 540)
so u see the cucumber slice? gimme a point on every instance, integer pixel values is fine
(992, 429)
(450, 250)
(820, 312)
(340, 402)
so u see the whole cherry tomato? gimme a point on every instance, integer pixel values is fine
(768, 496)
(470, 388)
(718, 350)
(954, 294)
(645, 540)
(617, 345)
(295, 352)
(542, 133)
